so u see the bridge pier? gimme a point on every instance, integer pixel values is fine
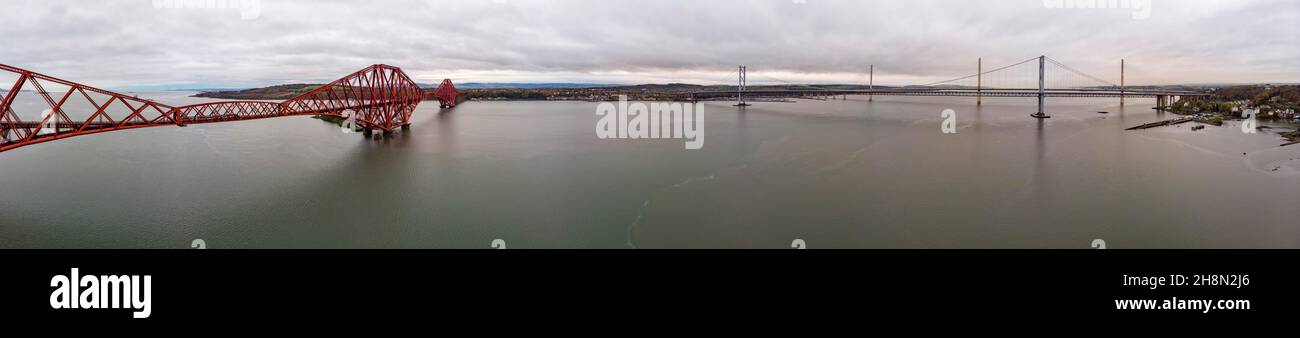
(378, 134)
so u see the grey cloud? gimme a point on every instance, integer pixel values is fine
(131, 42)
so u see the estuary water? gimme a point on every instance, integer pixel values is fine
(836, 174)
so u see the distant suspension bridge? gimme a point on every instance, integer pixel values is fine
(1021, 79)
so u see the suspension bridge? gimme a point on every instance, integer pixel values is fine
(1039, 77)
(378, 98)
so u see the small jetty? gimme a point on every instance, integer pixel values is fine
(1162, 123)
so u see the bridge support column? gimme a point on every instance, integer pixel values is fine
(740, 89)
(979, 83)
(1042, 79)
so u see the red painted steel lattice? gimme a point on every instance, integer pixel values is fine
(380, 97)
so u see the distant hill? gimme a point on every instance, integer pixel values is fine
(192, 87)
(663, 87)
(203, 90)
(485, 85)
(281, 92)
(686, 87)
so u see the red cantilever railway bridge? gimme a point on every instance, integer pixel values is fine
(380, 97)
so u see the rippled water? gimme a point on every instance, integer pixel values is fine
(841, 174)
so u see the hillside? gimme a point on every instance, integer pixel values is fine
(281, 92)
(483, 85)
(1261, 95)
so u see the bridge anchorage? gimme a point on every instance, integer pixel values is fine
(1049, 78)
(379, 98)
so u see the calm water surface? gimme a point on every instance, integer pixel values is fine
(838, 174)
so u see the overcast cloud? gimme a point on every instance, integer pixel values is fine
(130, 42)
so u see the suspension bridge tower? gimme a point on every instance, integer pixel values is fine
(740, 89)
(1042, 92)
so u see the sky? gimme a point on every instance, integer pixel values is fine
(263, 42)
